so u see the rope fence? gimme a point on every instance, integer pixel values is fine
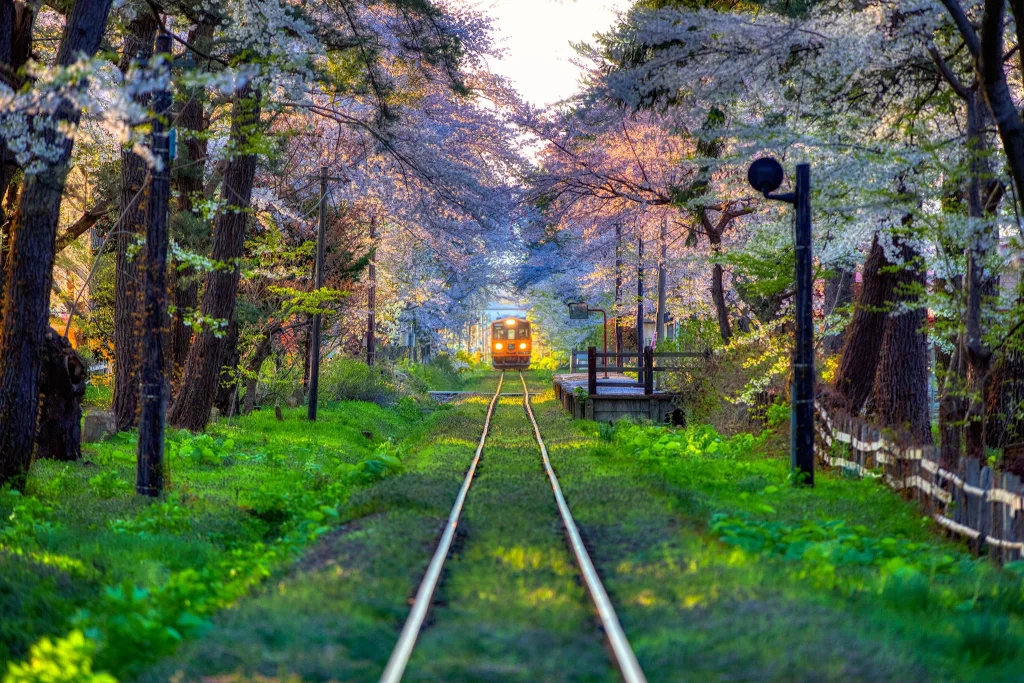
(975, 502)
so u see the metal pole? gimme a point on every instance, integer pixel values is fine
(371, 316)
(314, 354)
(149, 476)
(640, 307)
(802, 416)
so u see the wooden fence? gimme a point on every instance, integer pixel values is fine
(983, 506)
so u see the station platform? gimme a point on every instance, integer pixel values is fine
(612, 403)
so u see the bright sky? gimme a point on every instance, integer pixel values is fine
(536, 36)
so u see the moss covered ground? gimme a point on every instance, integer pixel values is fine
(719, 567)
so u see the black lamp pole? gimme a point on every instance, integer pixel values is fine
(765, 175)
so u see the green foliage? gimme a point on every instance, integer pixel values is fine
(165, 517)
(658, 443)
(381, 465)
(29, 517)
(107, 484)
(63, 660)
(777, 414)
(824, 547)
(201, 449)
(136, 577)
(351, 379)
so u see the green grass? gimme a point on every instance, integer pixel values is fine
(721, 568)
(81, 551)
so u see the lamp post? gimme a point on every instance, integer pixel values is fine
(765, 175)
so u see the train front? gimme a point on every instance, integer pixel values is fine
(511, 344)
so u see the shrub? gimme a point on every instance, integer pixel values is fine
(350, 379)
(107, 484)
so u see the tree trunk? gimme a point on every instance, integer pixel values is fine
(191, 409)
(855, 376)
(61, 389)
(901, 380)
(16, 23)
(138, 46)
(188, 177)
(259, 355)
(227, 387)
(838, 294)
(30, 272)
(717, 287)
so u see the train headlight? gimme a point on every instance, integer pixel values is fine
(498, 346)
(522, 345)
(511, 322)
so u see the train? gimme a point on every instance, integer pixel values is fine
(511, 344)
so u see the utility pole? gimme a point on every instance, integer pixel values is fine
(640, 306)
(314, 354)
(149, 476)
(371, 314)
(618, 293)
(659, 327)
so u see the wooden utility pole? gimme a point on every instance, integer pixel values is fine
(371, 313)
(640, 306)
(659, 326)
(149, 480)
(618, 293)
(314, 353)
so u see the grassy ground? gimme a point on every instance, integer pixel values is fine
(80, 551)
(719, 568)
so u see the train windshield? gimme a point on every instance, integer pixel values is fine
(519, 331)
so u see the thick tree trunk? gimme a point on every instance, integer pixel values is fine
(191, 408)
(16, 22)
(855, 376)
(27, 289)
(188, 177)
(838, 294)
(227, 387)
(138, 46)
(61, 389)
(901, 380)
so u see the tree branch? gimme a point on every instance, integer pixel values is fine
(963, 24)
(947, 74)
(81, 226)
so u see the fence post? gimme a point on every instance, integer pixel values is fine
(648, 370)
(592, 370)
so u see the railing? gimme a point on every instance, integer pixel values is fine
(645, 366)
(983, 506)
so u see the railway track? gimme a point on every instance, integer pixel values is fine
(621, 651)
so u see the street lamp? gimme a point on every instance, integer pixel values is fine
(581, 311)
(765, 175)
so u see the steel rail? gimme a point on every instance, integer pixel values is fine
(624, 656)
(425, 594)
